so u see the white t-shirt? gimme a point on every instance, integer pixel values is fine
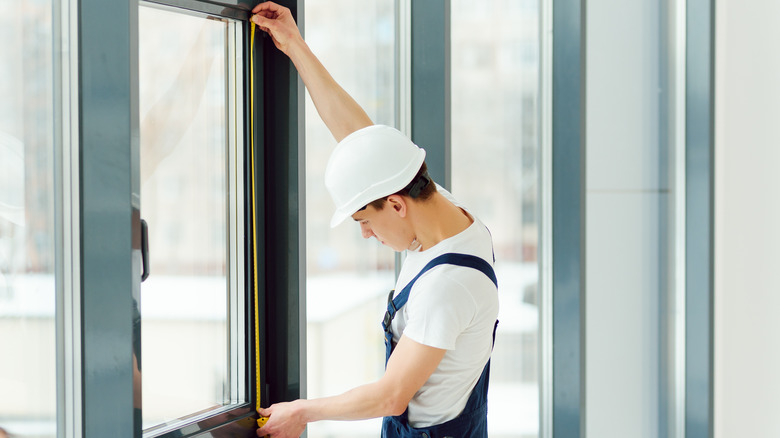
(453, 308)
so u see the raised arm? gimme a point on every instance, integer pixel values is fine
(341, 114)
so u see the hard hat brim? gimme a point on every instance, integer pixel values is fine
(379, 191)
(369, 164)
(338, 218)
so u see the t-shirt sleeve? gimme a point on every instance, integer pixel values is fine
(438, 311)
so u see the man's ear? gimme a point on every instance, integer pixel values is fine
(398, 204)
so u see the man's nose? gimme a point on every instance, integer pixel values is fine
(366, 231)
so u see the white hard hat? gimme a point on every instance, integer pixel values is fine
(367, 165)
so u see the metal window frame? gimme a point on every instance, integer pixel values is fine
(281, 170)
(234, 415)
(67, 231)
(239, 326)
(108, 261)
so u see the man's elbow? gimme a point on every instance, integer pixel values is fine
(394, 401)
(396, 406)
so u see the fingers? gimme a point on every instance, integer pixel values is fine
(268, 6)
(266, 24)
(263, 21)
(262, 431)
(279, 24)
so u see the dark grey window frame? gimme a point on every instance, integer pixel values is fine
(110, 220)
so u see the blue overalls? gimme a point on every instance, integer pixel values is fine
(472, 422)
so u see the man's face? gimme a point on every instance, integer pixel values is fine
(386, 225)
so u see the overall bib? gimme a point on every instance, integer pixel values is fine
(472, 422)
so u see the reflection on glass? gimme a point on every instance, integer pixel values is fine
(27, 253)
(184, 199)
(348, 277)
(494, 171)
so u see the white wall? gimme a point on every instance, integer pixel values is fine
(747, 219)
(624, 193)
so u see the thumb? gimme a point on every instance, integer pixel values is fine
(265, 412)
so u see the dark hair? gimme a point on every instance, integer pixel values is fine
(420, 187)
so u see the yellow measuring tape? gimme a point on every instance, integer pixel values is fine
(262, 420)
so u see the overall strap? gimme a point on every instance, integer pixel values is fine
(451, 258)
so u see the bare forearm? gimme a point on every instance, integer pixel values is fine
(367, 401)
(341, 114)
(288, 420)
(408, 368)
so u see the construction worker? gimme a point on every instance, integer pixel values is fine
(440, 324)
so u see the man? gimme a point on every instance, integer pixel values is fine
(440, 324)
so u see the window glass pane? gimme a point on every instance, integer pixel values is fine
(495, 150)
(186, 149)
(27, 247)
(348, 277)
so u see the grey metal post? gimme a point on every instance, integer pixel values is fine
(568, 218)
(108, 111)
(699, 213)
(431, 85)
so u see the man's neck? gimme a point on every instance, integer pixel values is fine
(437, 219)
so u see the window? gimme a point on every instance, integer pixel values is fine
(28, 367)
(495, 168)
(193, 325)
(348, 277)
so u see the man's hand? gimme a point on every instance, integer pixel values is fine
(284, 420)
(278, 22)
(341, 114)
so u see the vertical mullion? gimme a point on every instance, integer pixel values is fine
(545, 220)
(672, 219)
(284, 239)
(568, 218)
(68, 310)
(108, 104)
(403, 82)
(430, 85)
(403, 61)
(698, 220)
(237, 325)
